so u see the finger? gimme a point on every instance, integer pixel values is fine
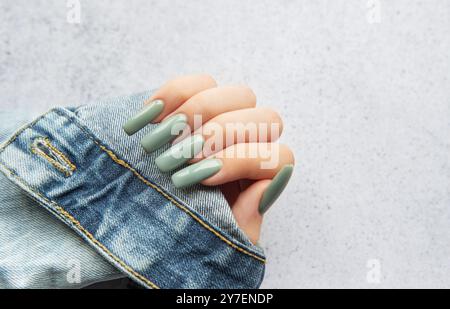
(198, 109)
(250, 161)
(241, 126)
(165, 100)
(241, 161)
(179, 90)
(254, 201)
(249, 125)
(213, 102)
(245, 209)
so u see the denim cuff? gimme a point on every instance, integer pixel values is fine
(80, 166)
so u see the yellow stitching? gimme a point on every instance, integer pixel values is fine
(126, 165)
(46, 142)
(68, 216)
(98, 243)
(60, 154)
(20, 131)
(121, 162)
(51, 160)
(186, 210)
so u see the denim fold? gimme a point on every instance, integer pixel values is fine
(79, 165)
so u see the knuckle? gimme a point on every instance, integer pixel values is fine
(273, 120)
(208, 80)
(273, 115)
(276, 118)
(175, 87)
(287, 153)
(248, 93)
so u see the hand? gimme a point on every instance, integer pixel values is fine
(226, 139)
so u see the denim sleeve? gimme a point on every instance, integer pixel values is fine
(80, 166)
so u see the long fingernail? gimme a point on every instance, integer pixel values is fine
(164, 132)
(144, 117)
(275, 188)
(180, 153)
(196, 172)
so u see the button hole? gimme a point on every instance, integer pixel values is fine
(42, 147)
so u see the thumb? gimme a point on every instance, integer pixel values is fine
(245, 209)
(256, 199)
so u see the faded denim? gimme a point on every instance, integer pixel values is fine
(79, 165)
(36, 249)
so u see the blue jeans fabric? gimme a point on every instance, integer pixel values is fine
(36, 249)
(79, 165)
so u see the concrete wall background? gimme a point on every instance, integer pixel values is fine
(363, 86)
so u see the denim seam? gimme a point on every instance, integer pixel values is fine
(20, 131)
(66, 170)
(145, 181)
(124, 164)
(78, 225)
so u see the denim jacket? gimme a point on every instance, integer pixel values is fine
(123, 216)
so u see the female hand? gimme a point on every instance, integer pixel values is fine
(226, 139)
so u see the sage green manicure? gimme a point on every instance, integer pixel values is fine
(275, 188)
(165, 132)
(196, 173)
(144, 117)
(180, 153)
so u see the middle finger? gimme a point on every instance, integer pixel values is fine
(196, 111)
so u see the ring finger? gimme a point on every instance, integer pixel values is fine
(241, 126)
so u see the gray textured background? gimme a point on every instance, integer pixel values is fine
(363, 87)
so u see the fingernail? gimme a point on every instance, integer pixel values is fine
(144, 117)
(180, 153)
(196, 173)
(164, 132)
(275, 188)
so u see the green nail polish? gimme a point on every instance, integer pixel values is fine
(144, 117)
(196, 173)
(275, 188)
(164, 132)
(180, 153)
